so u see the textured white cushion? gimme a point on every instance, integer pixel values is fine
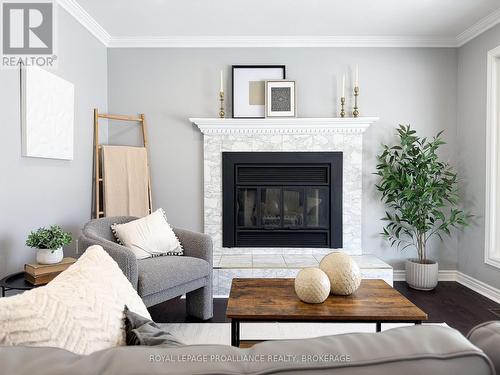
(149, 236)
(81, 310)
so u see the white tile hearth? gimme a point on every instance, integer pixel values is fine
(287, 272)
(370, 261)
(223, 277)
(286, 266)
(318, 257)
(367, 261)
(300, 261)
(236, 261)
(268, 261)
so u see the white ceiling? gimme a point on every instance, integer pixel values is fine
(426, 19)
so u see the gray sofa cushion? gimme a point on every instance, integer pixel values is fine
(486, 336)
(143, 331)
(400, 351)
(161, 273)
(102, 227)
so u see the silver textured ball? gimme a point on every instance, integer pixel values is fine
(343, 272)
(312, 285)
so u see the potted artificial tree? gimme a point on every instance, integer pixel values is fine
(421, 194)
(49, 244)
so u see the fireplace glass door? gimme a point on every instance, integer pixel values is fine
(293, 207)
(287, 208)
(270, 207)
(282, 199)
(317, 207)
(247, 208)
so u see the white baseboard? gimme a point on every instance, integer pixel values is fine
(478, 286)
(453, 275)
(447, 275)
(444, 275)
(399, 275)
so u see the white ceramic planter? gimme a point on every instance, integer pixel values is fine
(47, 256)
(422, 276)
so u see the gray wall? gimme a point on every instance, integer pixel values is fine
(416, 86)
(40, 192)
(471, 143)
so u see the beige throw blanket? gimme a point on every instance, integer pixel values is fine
(126, 175)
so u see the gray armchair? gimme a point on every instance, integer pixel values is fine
(161, 278)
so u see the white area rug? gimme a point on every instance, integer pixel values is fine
(219, 333)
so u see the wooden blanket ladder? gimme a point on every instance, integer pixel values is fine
(99, 210)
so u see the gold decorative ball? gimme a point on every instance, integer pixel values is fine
(343, 273)
(312, 285)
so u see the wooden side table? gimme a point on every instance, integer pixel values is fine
(15, 281)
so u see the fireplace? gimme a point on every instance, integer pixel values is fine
(282, 199)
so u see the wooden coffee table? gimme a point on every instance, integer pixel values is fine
(265, 300)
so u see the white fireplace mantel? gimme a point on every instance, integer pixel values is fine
(296, 125)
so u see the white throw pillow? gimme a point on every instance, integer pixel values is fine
(81, 310)
(149, 236)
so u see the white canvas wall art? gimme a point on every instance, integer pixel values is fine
(47, 114)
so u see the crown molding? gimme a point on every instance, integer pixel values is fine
(82, 16)
(478, 28)
(278, 41)
(87, 21)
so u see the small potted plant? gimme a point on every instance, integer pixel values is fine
(421, 194)
(49, 244)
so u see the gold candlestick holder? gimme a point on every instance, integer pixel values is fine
(355, 112)
(342, 104)
(222, 113)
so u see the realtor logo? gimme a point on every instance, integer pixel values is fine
(28, 34)
(27, 28)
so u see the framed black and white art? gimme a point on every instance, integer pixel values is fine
(249, 85)
(280, 99)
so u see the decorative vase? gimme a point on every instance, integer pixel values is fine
(422, 276)
(49, 256)
(312, 285)
(343, 272)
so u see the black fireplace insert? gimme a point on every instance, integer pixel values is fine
(282, 199)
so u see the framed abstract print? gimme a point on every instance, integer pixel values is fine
(249, 85)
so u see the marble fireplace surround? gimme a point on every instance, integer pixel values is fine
(290, 134)
(284, 134)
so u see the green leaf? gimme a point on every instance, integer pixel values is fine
(52, 238)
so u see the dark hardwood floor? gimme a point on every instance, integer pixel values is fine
(453, 304)
(450, 302)
(174, 311)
